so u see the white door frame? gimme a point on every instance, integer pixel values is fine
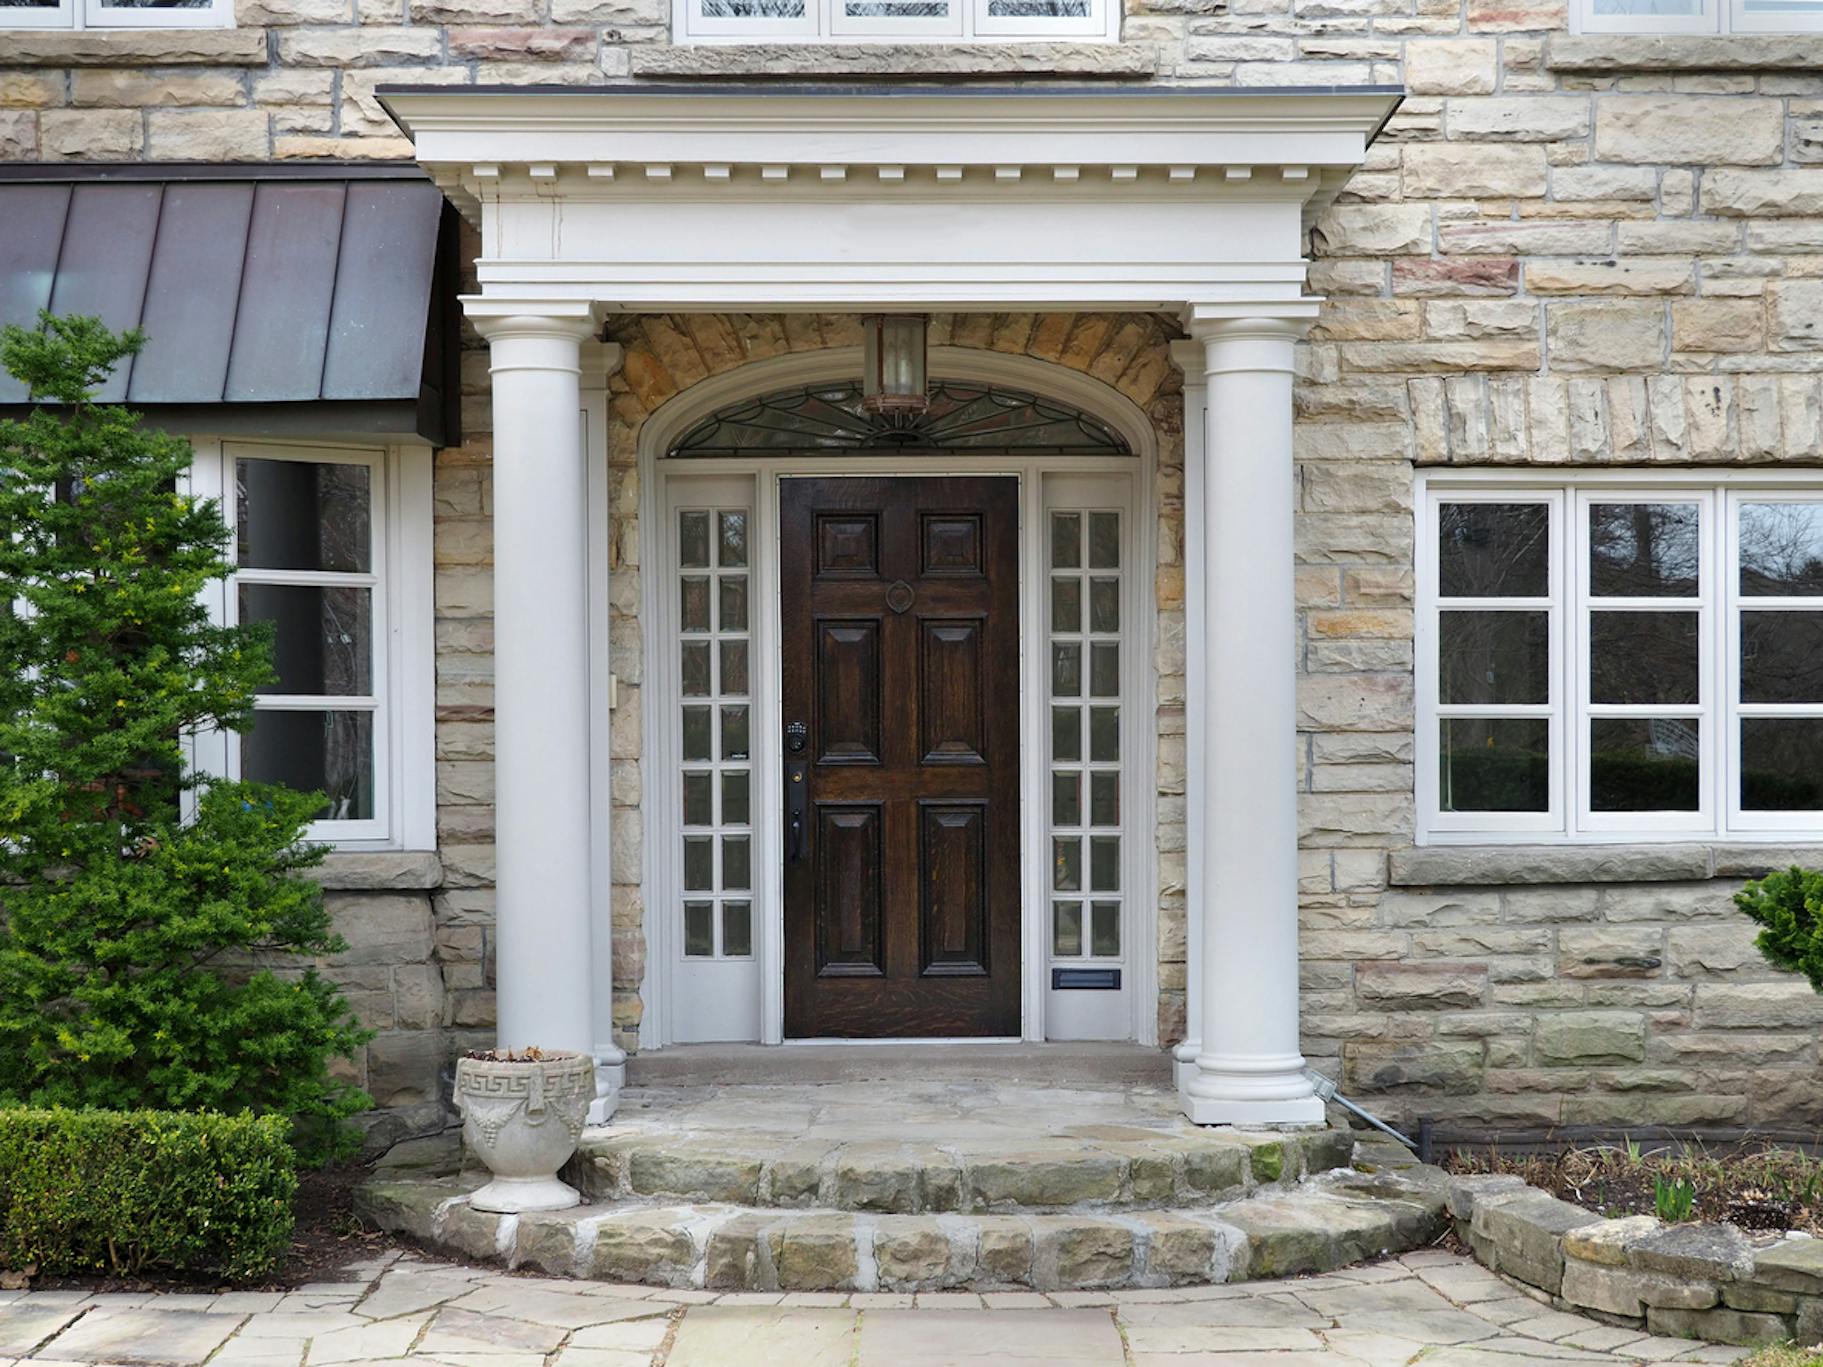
(660, 794)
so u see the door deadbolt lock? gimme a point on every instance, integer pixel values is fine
(797, 735)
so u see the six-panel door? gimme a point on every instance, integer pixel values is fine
(900, 641)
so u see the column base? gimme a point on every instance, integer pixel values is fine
(1183, 1062)
(610, 1081)
(1249, 1091)
(1251, 1114)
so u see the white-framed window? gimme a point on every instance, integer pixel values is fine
(1619, 657)
(332, 547)
(1697, 16)
(87, 14)
(889, 20)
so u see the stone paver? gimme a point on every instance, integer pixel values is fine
(1427, 1307)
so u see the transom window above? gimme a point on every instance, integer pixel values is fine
(83, 14)
(877, 20)
(961, 417)
(1618, 661)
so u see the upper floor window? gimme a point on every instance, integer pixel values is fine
(1606, 659)
(1698, 16)
(82, 14)
(889, 20)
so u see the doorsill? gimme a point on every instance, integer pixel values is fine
(933, 1040)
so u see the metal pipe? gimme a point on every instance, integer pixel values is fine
(1326, 1092)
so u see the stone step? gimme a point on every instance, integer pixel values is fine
(1089, 1167)
(1319, 1224)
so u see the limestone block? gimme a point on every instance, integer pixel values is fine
(1420, 986)
(1519, 1235)
(1606, 1243)
(367, 45)
(1537, 118)
(18, 135)
(1475, 277)
(1668, 902)
(383, 929)
(1624, 1291)
(1609, 952)
(1718, 1326)
(911, 1255)
(136, 47)
(1791, 1265)
(1178, 1250)
(1728, 1006)
(1455, 1069)
(1078, 1253)
(1401, 908)
(1717, 325)
(1591, 1037)
(1217, 1167)
(1606, 336)
(88, 134)
(1003, 1250)
(114, 88)
(639, 1246)
(1454, 170)
(1604, 183)
(1796, 315)
(1451, 66)
(1630, 275)
(1683, 129)
(1725, 950)
(695, 1172)
(1361, 702)
(1458, 319)
(405, 1068)
(1374, 230)
(1041, 1180)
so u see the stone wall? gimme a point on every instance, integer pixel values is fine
(1562, 250)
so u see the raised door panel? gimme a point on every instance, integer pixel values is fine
(848, 692)
(950, 545)
(953, 872)
(851, 933)
(848, 545)
(952, 706)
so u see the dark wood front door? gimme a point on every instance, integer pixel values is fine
(900, 633)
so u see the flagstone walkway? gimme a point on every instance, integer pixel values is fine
(1428, 1308)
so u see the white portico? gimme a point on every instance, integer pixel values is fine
(1180, 201)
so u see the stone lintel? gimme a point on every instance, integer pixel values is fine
(905, 61)
(1685, 52)
(1437, 866)
(383, 871)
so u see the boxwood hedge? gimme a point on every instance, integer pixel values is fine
(145, 1191)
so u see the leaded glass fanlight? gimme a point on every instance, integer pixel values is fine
(962, 417)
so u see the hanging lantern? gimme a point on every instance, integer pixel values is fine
(892, 384)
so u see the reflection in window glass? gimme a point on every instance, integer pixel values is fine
(1643, 657)
(315, 751)
(1494, 550)
(1645, 764)
(303, 515)
(1782, 764)
(1500, 764)
(1644, 550)
(1782, 657)
(1494, 657)
(1781, 549)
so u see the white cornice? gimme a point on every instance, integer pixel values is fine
(485, 143)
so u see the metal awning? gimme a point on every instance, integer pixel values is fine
(274, 301)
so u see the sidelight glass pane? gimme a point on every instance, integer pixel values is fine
(1644, 550)
(1066, 669)
(698, 726)
(693, 540)
(1104, 734)
(1066, 541)
(1066, 929)
(733, 614)
(737, 863)
(734, 667)
(1782, 764)
(695, 668)
(1644, 764)
(699, 929)
(1494, 764)
(1782, 657)
(1104, 799)
(1104, 541)
(1066, 605)
(731, 550)
(1643, 657)
(1781, 549)
(1104, 930)
(302, 515)
(737, 805)
(734, 733)
(1494, 550)
(313, 750)
(1066, 733)
(1104, 669)
(322, 638)
(1493, 657)
(699, 800)
(694, 612)
(1104, 605)
(699, 863)
(1066, 799)
(1066, 864)
(737, 929)
(1104, 863)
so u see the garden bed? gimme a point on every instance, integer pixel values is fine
(1761, 1187)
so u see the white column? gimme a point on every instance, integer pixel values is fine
(1248, 1070)
(1189, 358)
(545, 953)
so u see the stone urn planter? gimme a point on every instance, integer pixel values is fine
(522, 1112)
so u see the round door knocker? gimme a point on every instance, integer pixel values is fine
(900, 596)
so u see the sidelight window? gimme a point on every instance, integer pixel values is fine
(715, 673)
(1607, 660)
(1085, 644)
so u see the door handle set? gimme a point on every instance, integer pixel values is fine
(797, 792)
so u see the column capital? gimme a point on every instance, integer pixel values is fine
(1263, 342)
(499, 319)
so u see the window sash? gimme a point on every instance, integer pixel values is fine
(61, 15)
(1740, 20)
(1715, 17)
(1718, 605)
(94, 14)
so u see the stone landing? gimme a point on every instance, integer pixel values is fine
(906, 1186)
